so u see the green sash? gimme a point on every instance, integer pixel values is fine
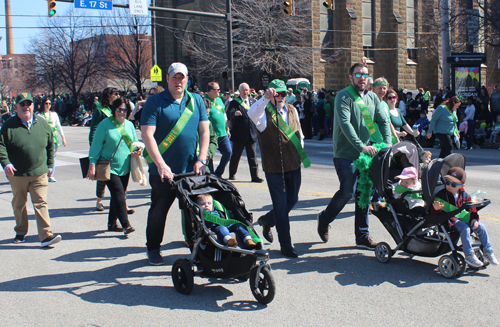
(375, 135)
(226, 222)
(123, 132)
(53, 127)
(456, 133)
(176, 131)
(464, 215)
(242, 103)
(290, 134)
(401, 189)
(215, 104)
(106, 111)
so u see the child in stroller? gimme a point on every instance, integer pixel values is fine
(408, 181)
(452, 196)
(223, 232)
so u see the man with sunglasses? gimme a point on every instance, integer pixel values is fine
(27, 157)
(352, 135)
(281, 151)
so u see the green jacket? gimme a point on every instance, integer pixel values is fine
(350, 133)
(30, 151)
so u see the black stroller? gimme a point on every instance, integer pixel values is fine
(209, 257)
(416, 233)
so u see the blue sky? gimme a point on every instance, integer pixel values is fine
(29, 12)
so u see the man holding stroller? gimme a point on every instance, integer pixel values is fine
(170, 123)
(281, 147)
(359, 122)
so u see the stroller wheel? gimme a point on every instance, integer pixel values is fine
(448, 266)
(183, 276)
(383, 252)
(262, 285)
(461, 263)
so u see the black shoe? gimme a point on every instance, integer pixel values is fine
(115, 228)
(53, 239)
(232, 178)
(257, 180)
(155, 257)
(266, 230)
(289, 251)
(128, 230)
(323, 229)
(367, 243)
(19, 239)
(130, 211)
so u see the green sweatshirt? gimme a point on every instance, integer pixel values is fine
(31, 152)
(350, 133)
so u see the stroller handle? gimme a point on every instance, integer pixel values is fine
(181, 176)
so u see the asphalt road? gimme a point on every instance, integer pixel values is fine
(99, 278)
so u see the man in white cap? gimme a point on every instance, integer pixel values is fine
(170, 123)
(290, 97)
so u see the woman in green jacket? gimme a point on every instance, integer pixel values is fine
(113, 140)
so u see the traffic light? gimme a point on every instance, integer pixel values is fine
(329, 4)
(288, 7)
(52, 7)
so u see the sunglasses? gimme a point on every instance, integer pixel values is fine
(392, 98)
(25, 103)
(121, 110)
(359, 75)
(217, 90)
(447, 182)
(47, 103)
(282, 94)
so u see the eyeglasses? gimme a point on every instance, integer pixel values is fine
(447, 182)
(392, 98)
(359, 75)
(25, 103)
(282, 94)
(121, 110)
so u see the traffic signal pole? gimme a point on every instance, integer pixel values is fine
(227, 16)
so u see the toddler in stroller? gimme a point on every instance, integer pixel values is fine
(210, 257)
(451, 197)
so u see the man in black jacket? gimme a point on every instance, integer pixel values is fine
(243, 133)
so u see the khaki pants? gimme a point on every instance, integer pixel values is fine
(37, 187)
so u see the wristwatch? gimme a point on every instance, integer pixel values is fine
(203, 161)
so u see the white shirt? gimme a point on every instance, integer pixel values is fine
(469, 113)
(402, 107)
(258, 116)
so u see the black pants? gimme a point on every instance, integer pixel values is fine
(250, 148)
(162, 197)
(117, 186)
(446, 142)
(99, 189)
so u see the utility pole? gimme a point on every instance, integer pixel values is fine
(153, 34)
(445, 41)
(230, 62)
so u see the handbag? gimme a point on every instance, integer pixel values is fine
(103, 167)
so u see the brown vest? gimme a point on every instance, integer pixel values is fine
(269, 144)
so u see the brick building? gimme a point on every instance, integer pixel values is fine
(398, 38)
(13, 69)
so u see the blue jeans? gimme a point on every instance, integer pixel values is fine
(223, 231)
(225, 149)
(347, 179)
(464, 230)
(283, 202)
(470, 132)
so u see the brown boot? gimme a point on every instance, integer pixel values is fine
(250, 244)
(232, 242)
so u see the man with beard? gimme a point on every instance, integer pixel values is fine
(351, 136)
(281, 147)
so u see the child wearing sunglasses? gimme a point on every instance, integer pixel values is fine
(454, 194)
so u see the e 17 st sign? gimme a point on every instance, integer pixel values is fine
(94, 4)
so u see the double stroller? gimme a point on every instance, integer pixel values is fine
(419, 233)
(208, 256)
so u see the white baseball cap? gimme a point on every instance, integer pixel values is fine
(176, 68)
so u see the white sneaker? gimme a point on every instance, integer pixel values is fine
(473, 261)
(52, 179)
(491, 258)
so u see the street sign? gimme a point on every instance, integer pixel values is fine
(138, 7)
(155, 74)
(94, 4)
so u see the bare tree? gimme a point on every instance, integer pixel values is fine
(129, 47)
(264, 38)
(76, 49)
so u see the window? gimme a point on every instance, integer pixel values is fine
(15, 63)
(326, 32)
(367, 20)
(410, 30)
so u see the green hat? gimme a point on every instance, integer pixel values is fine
(23, 97)
(278, 85)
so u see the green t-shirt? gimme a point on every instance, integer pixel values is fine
(218, 117)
